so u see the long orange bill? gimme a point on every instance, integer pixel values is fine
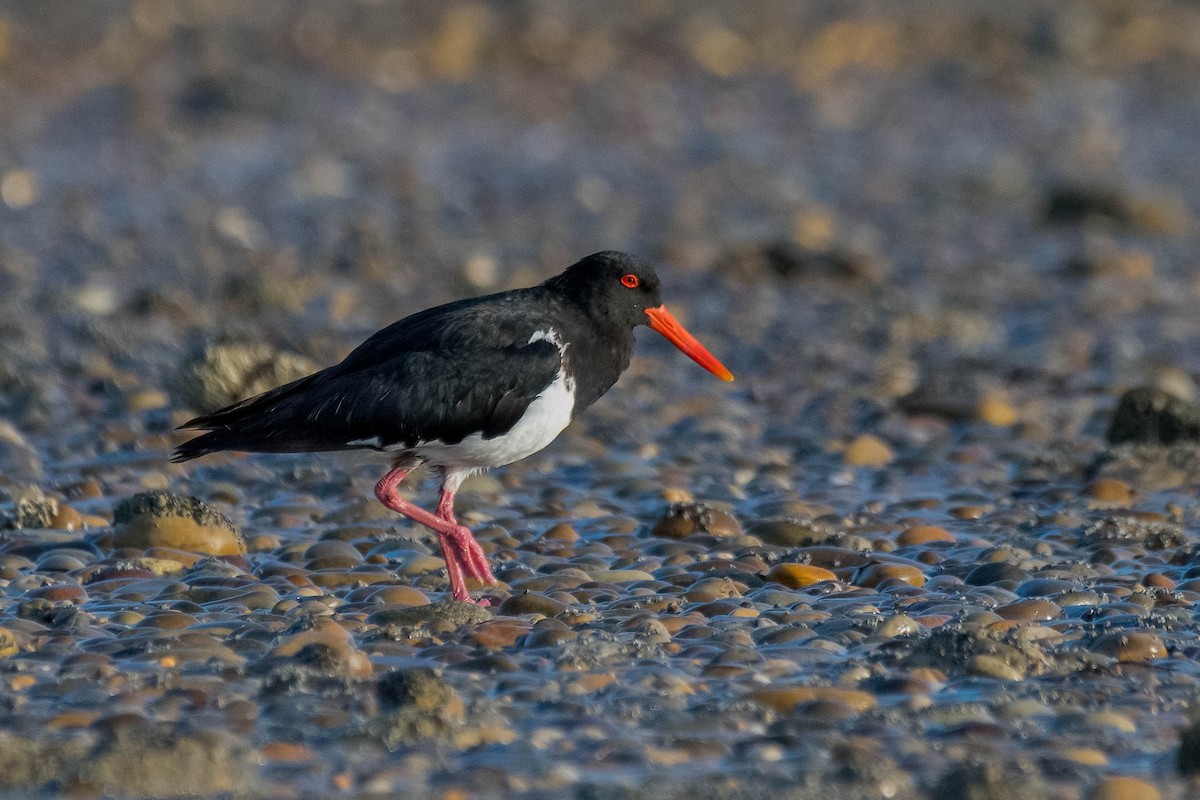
(662, 321)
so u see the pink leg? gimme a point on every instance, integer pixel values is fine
(459, 556)
(473, 559)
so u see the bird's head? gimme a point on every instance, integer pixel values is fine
(624, 291)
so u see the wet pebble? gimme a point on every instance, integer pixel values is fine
(160, 519)
(797, 576)
(685, 519)
(873, 575)
(1130, 646)
(1123, 788)
(868, 451)
(784, 699)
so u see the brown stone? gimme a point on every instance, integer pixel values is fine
(783, 699)
(498, 634)
(328, 634)
(797, 576)
(1109, 492)
(1033, 609)
(182, 533)
(872, 575)
(1130, 645)
(995, 408)
(923, 534)
(868, 451)
(1120, 787)
(684, 519)
(530, 603)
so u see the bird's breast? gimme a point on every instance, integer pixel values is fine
(545, 417)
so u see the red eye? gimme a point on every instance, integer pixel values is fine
(631, 281)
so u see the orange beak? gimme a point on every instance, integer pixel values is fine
(662, 321)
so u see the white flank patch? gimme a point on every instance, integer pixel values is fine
(544, 420)
(548, 335)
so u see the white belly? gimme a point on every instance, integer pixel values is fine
(545, 418)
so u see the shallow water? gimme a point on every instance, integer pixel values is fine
(935, 243)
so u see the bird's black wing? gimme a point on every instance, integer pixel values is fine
(443, 374)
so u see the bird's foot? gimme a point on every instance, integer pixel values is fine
(471, 556)
(464, 559)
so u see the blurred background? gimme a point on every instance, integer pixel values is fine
(203, 163)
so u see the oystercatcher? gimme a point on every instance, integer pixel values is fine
(463, 387)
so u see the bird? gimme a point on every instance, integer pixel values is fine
(462, 388)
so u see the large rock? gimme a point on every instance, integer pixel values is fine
(1151, 416)
(162, 519)
(225, 373)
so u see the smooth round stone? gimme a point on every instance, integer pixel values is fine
(420, 564)
(562, 532)
(326, 634)
(899, 625)
(995, 572)
(979, 616)
(550, 583)
(549, 637)
(332, 563)
(399, 596)
(1110, 719)
(834, 558)
(619, 576)
(67, 519)
(59, 592)
(716, 608)
(1109, 492)
(1036, 633)
(686, 519)
(867, 450)
(1078, 598)
(969, 512)
(530, 603)
(256, 599)
(1032, 609)
(1130, 646)
(16, 563)
(797, 576)
(873, 574)
(771, 596)
(1120, 787)
(1157, 580)
(783, 699)
(58, 562)
(127, 617)
(1086, 756)
(996, 409)
(498, 634)
(790, 532)
(924, 534)
(168, 620)
(708, 589)
(1044, 587)
(994, 667)
(333, 548)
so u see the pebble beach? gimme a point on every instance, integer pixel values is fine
(940, 540)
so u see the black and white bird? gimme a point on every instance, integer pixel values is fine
(463, 387)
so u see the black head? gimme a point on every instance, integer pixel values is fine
(611, 286)
(622, 292)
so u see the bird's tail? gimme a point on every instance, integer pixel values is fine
(202, 445)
